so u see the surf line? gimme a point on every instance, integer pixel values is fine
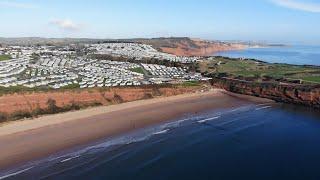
(161, 132)
(209, 119)
(265, 107)
(16, 173)
(68, 159)
(264, 104)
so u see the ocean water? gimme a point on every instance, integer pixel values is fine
(296, 54)
(264, 141)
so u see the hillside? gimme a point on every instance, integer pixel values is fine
(45, 41)
(190, 47)
(260, 71)
(180, 46)
(296, 84)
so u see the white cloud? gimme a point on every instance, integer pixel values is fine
(66, 24)
(299, 5)
(13, 4)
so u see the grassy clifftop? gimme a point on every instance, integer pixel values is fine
(257, 70)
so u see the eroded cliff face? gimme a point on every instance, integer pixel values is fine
(11, 103)
(200, 48)
(299, 94)
(185, 46)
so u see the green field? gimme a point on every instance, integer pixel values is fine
(15, 89)
(4, 57)
(137, 70)
(71, 86)
(258, 69)
(191, 83)
(314, 79)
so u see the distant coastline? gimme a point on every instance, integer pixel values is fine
(180, 46)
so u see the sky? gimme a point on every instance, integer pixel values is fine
(248, 20)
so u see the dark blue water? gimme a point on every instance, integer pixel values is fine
(270, 141)
(299, 55)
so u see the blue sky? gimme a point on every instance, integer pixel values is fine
(269, 20)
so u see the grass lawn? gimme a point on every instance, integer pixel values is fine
(71, 86)
(137, 70)
(15, 89)
(191, 83)
(251, 68)
(314, 79)
(4, 57)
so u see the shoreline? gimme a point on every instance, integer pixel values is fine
(29, 140)
(298, 94)
(207, 51)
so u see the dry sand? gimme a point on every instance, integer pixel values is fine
(27, 140)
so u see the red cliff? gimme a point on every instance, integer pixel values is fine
(296, 94)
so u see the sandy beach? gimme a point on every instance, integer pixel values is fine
(28, 140)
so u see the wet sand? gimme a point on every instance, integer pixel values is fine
(28, 140)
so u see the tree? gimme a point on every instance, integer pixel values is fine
(117, 99)
(3, 117)
(52, 107)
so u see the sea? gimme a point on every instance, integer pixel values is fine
(291, 54)
(254, 141)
